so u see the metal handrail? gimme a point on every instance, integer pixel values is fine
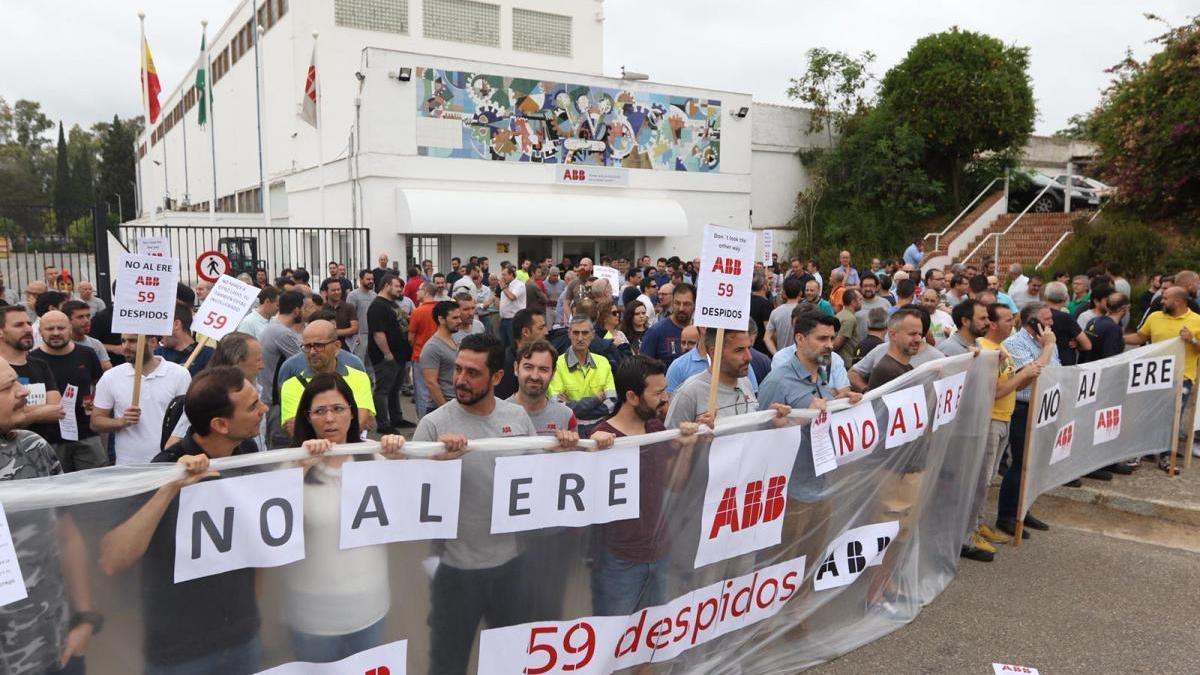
(1052, 250)
(998, 235)
(937, 236)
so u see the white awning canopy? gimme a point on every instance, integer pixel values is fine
(536, 214)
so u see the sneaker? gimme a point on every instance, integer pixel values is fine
(1119, 468)
(1134, 463)
(1035, 523)
(1164, 463)
(982, 544)
(1009, 527)
(993, 536)
(1100, 474)
(976, 554)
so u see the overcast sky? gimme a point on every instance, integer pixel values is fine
(79, 57)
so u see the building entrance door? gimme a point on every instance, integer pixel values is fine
(577, 248)
(534, 249)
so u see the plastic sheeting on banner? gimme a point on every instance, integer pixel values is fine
(736, 560)
(1089, 416)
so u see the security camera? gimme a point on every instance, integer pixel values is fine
(359, 75)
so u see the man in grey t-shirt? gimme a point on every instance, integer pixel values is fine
(360, 298)
(439, 353)
(870, 300)
(971, 318)
(779, 324)
(480, 573)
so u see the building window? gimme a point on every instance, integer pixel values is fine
(389, 16)
(541, 32)
(468, 21)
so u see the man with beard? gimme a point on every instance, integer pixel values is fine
(941, 324)
(632, 557)
(80, 319)
(735, 392)
(480, 574)
(549, 553)
(971, 318)
(662, 340)
(346, 314)
(905, 336)
(870, 300)
(47, 631)
(360, 299)
(137, 440)
(72, 365)
(42, 410)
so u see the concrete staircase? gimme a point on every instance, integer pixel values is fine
(962, 225)
(1026, 243)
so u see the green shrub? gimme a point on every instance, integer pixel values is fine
(1114, 237)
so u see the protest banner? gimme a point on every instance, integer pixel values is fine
(768, 240)
(723, 293)
(611, 275)
(219, 315)
(157, 246)
(12, 582)
(389, 659)
(552, 612)
(144, 303)
(1089, 416)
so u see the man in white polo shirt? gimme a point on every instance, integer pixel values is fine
(137, 430)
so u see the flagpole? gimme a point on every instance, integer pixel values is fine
(258, 106)
(320, 137)
(211, 121)
(186, 189)
(145, 109)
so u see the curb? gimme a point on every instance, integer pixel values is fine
(1184, 514)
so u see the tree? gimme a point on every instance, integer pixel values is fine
(833, 88)
(29, 125)
(1148, 127)
(116, 173)
(83, 148)
(963, 93)
(62, 180)
(1079, 127)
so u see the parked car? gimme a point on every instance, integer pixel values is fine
(1022, 192)
(1083, 182)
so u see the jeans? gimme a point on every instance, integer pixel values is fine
(506, 332)
(1010, 486)
(87, 453)
(460, 598)
(329, 648)
(420, 391)
(76, 666)
(243, 659)
(386, 392)
(621, 587)
(997, 439)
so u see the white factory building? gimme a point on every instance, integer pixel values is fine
(454, 128)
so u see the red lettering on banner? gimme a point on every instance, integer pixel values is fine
(1064, 436)
(147, 281)
(574, 174)
(727, 266)
(898, 423)
(853, 438)
(379, 670)
(1108, 419)
(948, 405)
(756, 509)
(917, 416)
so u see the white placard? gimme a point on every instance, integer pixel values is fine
(159, 247)
(565, 489)
(726, 269)
(768, 237)
(948, 397)
(746, 495)
(852, 553)
(12, 582)
(145, 299)
(577, 174)
(823, 455)
(1148, 374)
(36, 395)
(389, 659)
(1088, 389)
(907, 416)
(652, 635)
(1063, 440)
(68, 426)
(611, 274)
(855, 432)
(1010, 669)
(1107, 425)
(233, 523)
(408, 500)
(224, 308)
(1048, 405)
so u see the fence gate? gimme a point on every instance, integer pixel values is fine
(38, 242)
(269, 248)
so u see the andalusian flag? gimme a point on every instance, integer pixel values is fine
(200, 90)
(150, 81)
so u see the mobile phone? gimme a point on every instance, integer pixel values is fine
(1034, 324)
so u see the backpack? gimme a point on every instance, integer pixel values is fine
(171, 419)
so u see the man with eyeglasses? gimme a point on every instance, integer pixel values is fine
(321, 351)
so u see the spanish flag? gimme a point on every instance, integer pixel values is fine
(150, 81)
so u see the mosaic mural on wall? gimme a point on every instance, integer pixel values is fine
(469, 115)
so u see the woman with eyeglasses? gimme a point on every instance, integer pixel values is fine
(338, 600)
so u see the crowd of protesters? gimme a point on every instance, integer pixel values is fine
(533, 348)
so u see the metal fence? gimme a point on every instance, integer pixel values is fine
(37, 241)
(270, 248)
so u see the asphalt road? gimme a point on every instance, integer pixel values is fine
(1066, 601)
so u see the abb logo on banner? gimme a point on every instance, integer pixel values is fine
(577, 175)
(757, 506)
(727, 266)
(380, 670)
(1108, 425)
